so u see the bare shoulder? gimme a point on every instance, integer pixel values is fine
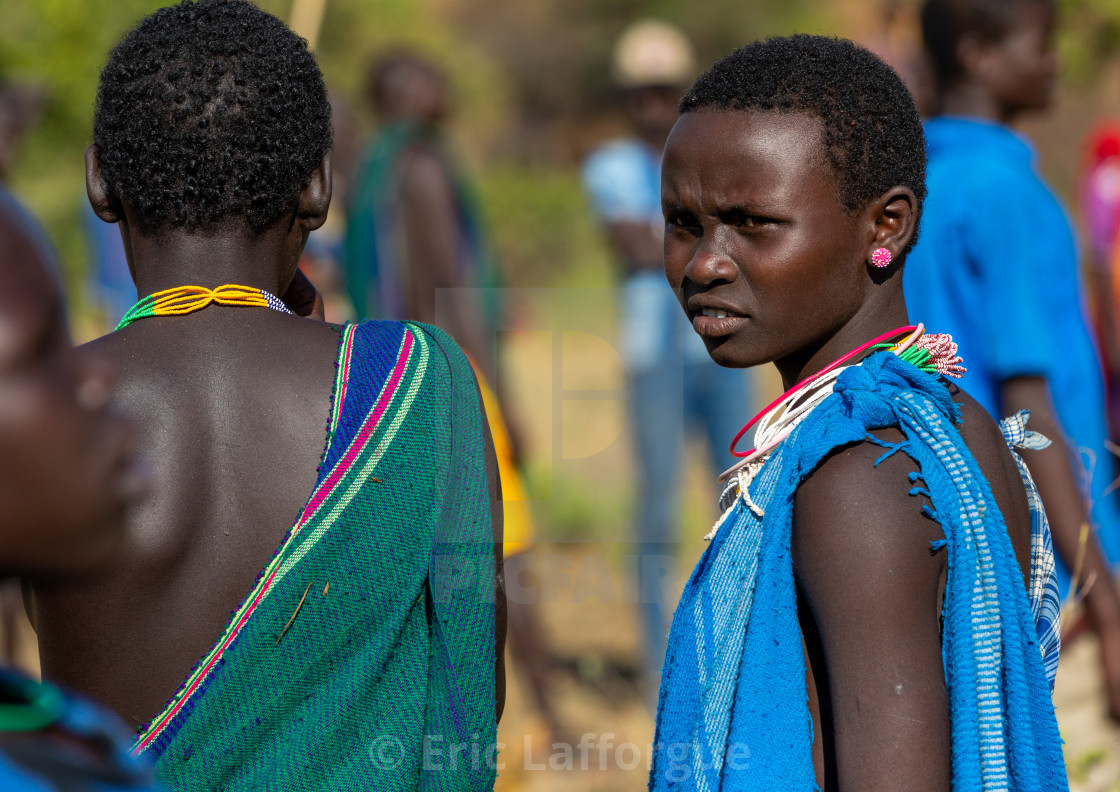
(424, 173)
(855, 514)
(985, 441)
(980, 431)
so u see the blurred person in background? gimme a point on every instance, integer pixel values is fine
(1100, 206)
(414, 226)
(66, 476)
(416, 248)
(20, 105)
(308, 598)
(898, 43)
(996, 267)
(673, 383)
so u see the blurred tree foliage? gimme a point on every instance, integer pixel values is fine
(60, 46)
(1088, 35)
(531, 79)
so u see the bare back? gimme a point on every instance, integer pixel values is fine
(231, 406)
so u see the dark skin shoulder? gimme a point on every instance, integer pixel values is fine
(234, 432)
(230, 406)
(870, 593)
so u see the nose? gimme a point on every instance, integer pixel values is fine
(94, 384)
(711, 263)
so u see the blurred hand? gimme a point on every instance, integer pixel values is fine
(303, 299)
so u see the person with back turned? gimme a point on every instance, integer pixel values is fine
(307, 598)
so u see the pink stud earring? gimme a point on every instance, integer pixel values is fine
(881, 257)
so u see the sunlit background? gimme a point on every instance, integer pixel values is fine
(533, 96)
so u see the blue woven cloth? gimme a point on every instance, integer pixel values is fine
(733, 712)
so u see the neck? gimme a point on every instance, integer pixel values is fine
(875, 317)
(967, 98)
(174, 258)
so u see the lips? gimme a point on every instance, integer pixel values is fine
(713, 327)
(712, 317)
(714, 320)
(715, 313)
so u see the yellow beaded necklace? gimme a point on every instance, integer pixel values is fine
(188, 299)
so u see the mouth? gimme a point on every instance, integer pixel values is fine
(716, 322)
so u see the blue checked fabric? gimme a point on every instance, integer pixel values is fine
(1044, 596)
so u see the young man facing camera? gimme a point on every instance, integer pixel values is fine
(1004, 279)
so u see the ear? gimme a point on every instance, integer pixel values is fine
(315, 199)
(972, 55)
(104, 205)
(892, 221)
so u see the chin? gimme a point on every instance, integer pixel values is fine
(725, 353)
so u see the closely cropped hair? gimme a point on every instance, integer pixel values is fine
(210, 112)
(946, 22)
(872, 130)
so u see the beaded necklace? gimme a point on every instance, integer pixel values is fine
(188, 299)
(30, 706)
(934, 354)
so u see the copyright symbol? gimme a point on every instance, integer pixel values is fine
(386, 752)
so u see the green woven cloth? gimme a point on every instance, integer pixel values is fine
(385, 678)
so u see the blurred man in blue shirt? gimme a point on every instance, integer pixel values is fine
(996, 267)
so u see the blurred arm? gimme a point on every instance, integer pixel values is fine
(432, 230)
(1053, 471)
(637, 244)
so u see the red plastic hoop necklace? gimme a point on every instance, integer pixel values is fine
(907, 330)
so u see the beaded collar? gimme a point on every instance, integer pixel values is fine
(188, 299)
(933, 353)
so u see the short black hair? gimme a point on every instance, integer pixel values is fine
(946, 22)
(210, 112)
(872, 130)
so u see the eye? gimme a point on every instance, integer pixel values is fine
(741, 219)
(681, 221)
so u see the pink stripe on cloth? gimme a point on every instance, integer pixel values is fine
(367, 429)
(321, 493)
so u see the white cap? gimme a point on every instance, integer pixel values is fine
(653, 52)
